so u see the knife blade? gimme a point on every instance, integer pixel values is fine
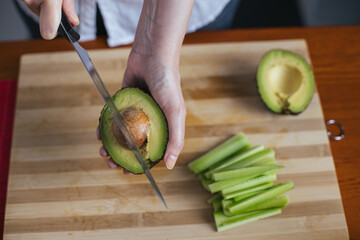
(72, 36)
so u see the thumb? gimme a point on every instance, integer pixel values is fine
(175, 113)
(50, 16)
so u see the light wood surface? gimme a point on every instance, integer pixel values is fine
(59, 187)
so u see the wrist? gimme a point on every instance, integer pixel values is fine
(161, 29)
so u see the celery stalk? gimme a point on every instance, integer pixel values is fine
(268, 161)
(242, 172)
(220, 217)
(247, 195)
(219, 153)
(256, 158)
(277, 202)
(240, 194)
(216, 197)
(219, 185)
(223, 222)
(205, 182)
(245, 162)
(261, 197)
(235, 159)
(226, 203)
(217, 205)
(250, 183)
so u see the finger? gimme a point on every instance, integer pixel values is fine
(98, 136)
(50, 15)
(112, 164)
(126, 172)
(103, 152)
(34, 5)
(176, 123)
(69, 9)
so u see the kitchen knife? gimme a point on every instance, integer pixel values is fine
(67, 31)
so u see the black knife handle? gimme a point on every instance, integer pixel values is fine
(74, 35)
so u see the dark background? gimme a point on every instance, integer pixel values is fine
(249, 14)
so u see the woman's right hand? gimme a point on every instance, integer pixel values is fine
(49, 12)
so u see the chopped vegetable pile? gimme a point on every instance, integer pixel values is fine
(242, 177)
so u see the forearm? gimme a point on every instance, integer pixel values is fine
(161, 29)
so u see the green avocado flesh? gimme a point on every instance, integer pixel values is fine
(285, 82)
(157, 137)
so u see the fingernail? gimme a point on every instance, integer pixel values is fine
(75, 18)
(47, 33)
(111, 164)
(170, 161)
(103, 152)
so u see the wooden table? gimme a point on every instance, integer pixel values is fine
(335, 55)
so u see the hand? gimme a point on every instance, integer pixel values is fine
(163, 81)
(50, 15)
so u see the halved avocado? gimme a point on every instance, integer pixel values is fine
(135, 106)
(285, 82)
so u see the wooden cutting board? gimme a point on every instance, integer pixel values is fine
(59, 187)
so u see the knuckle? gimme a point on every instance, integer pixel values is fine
(177, 144)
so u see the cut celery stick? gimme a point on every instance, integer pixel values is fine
(219, 153)
(226, 203)
(242, 150)
(256, 158)
(230, 222)
(220, 217)
(216, 197)
(205, 182)
(235, 159)
(217, 205)
(242, 172)
(268, 161)
(219, 185)
(246, 162)
(247, 195)
(250, 183)
(277, 202)
(261, 197)
(241, 193)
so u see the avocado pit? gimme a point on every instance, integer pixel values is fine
(138, 124)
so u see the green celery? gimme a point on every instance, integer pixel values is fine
(226, 203)
(234, 159)
(247, 195)
(205, 182)
(219, 153)
(261, 197)
(243, 192)
(217, 205)
(223, 222)
(250, 183)
(220, 185)
(242, 172)
(216, 197)
(277, 202)
(268, 161)
(220, 217)
(246, 162)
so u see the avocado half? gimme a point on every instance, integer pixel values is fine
(285, 82)
(156, 137)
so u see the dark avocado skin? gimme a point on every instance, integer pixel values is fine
(150, 164)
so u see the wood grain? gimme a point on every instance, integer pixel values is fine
(335, 56)
(59, 188)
